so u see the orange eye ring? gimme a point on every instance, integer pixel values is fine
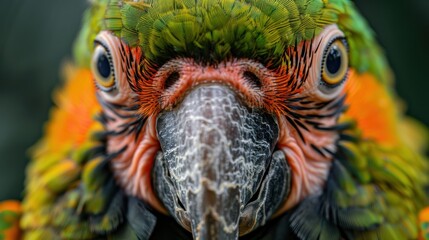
(103, 69)
(335, 63)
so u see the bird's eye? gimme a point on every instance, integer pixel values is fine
(335, 64)
(102, 68)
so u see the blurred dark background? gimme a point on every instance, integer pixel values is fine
(37, 36)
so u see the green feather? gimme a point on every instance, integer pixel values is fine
(214, 30)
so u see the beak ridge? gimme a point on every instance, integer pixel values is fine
(215, 154)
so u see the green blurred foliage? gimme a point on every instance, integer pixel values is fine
(36, 38)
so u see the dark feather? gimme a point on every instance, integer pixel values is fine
(140, 218)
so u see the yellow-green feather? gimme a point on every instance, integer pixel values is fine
(213, 30)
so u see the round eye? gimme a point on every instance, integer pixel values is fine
(102, 68)
(336, 63)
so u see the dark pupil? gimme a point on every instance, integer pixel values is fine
(333, 62)
(103, 66)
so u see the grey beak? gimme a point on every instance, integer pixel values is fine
(216, 154)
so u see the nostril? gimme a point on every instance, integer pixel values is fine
(180, 203)
(252, 79)
(171, 80)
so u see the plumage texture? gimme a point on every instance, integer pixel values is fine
(375, 188)
(166, 28)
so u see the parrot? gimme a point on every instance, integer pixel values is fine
(225, 119)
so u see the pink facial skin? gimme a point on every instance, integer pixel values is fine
(287, 92)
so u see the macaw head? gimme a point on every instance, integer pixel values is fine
(224, 114)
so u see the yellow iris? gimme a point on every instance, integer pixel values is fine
(336, 63)
(102, 69)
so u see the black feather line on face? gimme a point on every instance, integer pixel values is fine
(300, 60)
(333, 108)
(121, 112)
(115, 108)
(318, 150)
(113, 155)
(299, 118)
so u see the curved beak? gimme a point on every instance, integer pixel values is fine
(217, 174)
